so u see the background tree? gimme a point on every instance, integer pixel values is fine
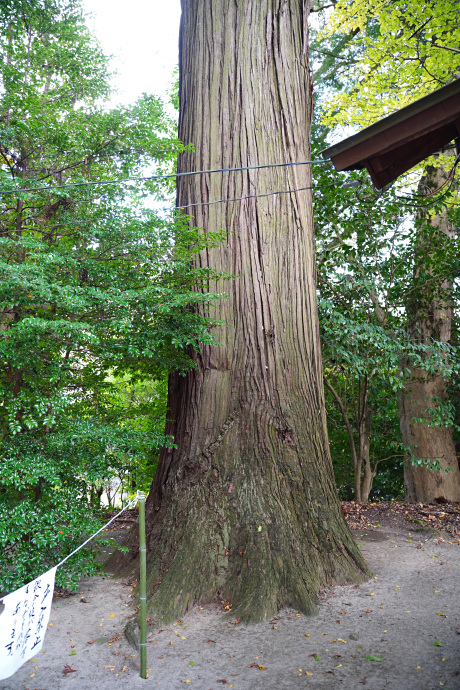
(426, 414)
(361, 365)
(365, 262)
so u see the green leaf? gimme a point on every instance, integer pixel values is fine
(375, 658)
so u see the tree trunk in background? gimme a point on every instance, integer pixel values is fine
(429, 317)
(245, 509)
(363, 472)
(365, 427)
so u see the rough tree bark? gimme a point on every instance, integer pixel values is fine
(245, 509)
(430, 318)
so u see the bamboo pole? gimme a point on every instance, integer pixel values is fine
(142, 583)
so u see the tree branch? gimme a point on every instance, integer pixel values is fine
(346, 420)
(454, 50)
(381, 315)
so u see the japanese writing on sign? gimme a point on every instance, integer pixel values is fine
(23, 622)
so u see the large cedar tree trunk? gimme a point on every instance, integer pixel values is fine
(245, 509)
(430, 318)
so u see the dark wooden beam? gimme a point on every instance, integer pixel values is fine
(396, 143)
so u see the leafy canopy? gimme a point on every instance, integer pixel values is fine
(405, 50)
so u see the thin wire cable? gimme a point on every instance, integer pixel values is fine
(353, 183)
(414, 200)
(406, 199)
(156, 177)
(131, 503)
(448, 181)
(342, 185)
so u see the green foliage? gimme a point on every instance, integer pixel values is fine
(138, 404)
(404, 50)
(98, 297)
(380, 267)
(366, 266)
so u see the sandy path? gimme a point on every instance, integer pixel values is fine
(394, 616)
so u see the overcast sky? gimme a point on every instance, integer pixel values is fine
(143, 37)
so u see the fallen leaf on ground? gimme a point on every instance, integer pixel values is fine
(91, 642)
(371, 657)
(68, 669)
(259, 666)
(437, 644)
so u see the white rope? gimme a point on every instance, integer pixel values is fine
(131, 503)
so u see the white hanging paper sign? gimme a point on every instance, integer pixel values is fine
(23, 622)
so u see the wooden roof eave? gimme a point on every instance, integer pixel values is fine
(396, 143)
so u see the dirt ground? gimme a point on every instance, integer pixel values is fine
(400, 630)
